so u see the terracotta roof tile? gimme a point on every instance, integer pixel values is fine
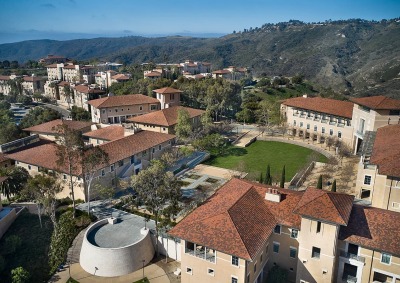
(4, 78)
(386, 150)
(222, 72)
(3, 157)
(120, 77)
(237, 219)
(165, 117)
(167, 90)
(70, 66)
(323, 105)
(122, 100)
(153, 74)
(63, 83)
(109, 133)
(324, 205)
(31, 79)
(50, 127)
(86, 89)
(2, 179)
(378, 102)
(52, 66)
(373, 228)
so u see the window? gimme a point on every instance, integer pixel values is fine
(291, 269)
(301, 124)
(234, 280)
(386, 258)
(163, 129)
(294, 122)
(396, 205)
(159, 147)
(116, 110)
(323, 130)
(153, 107)
(276, 247)
(367, 180)
(172, 96)
(235, 260)
(339, 135)
(294, 233)
(153, 149)
(103, 111)
(248, 278)
(112, 168)
(261, 257)
(308, 126)
(316, 252)
(255, 267)
(318, 226)
(210, 272)
(315, 128)
(331, 132)
(394, 112)
(65, 177)
(292, 252)
(277, 229)
(266, 249)
(361, 126)
(140, 108)
(121, 163)
(189, 270)
(29, 167)
(103, 172)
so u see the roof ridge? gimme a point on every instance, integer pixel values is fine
(330, 195)
(322, 193)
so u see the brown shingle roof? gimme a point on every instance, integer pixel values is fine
(133, 144)
(323, 105)
(237, 220)
(166, 117)
(107, 133)
(86, 89)
(378, 102)
(374, 228)
(50, 127)
(153, 74)
(386, 150)
(122, 100)
(167, 90)
(324, 205)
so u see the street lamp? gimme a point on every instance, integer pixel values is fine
(69, 268)
(143, 267)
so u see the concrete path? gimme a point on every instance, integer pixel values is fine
(247, 139)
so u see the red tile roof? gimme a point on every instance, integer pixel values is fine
(323, 105)
(133, 144)
(222, 72)
(3, 157)
(386, 150)
(326, 206)
(122, 100)
(52, 66)
(31, 79)
(86, 89)
(107, 133)
(237, 219)
(70, 66)
(378, 102)
(167, 90)
(166, 117)
(4, 78)
(153, 74)
(63, 83)
(373, 228)
(2, 179)
(120, 77)
(50, 127)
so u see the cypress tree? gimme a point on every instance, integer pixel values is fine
(282, 185)
(334, 186)
(268, 179)
(319, 185)
(260, 180)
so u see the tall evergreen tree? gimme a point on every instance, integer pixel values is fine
(282, 185)
(333, 189)
(260, 180)
(319, 185)
(268, 178)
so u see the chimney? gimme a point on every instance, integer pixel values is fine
(305, 95)
(273, 195)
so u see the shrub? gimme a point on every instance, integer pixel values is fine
(12, 243)
(19, 275)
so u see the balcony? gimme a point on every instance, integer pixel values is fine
(295, 114)
(202, 253)
(360, 133)
(332, 122)
(309, 117)
(349, 278)
(324, 120)
(352, 256)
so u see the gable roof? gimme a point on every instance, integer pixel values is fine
(237, 220)
(109, 133)
(31, 79)
(378, 102)
(326, 206)
(50, 127)
(166, 117)
(167, 90)
(221, 72)
(153, 74)
(120, 77)
(86, 89)
(5, 78)
(323, 105)
(375, 228)
(386, 150)
(122, 100)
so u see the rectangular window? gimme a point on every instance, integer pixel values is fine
(396, 205)
(153, 149)
(386, 258)
(276, 247)
(261, 257)
(103, 172)
(121, 163)
(367, 180)
(159, 147)
(331, 132)
(323, 130)
(293, 252)
(255, 267)
(189, 270)
(315, 128)
(234, 280)
(316, 252)
(140, 108)
(103, 111)
(153, 107)
(266, 249)
(277, 229)
(294, 233)
(65, 177)
(235, 260)
(318, 226)
(29, 167)
(294, 122)
(308, 126)
(112, 168)
(361, 126)
(210, 271)
(301, 124)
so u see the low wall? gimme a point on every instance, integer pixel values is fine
(170, 248)
(6, 221)
(111, 262)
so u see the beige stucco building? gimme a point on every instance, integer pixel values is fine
(245, 229)
(168, 97)
(82, 94)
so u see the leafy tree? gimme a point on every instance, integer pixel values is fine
(183, 127)
(12, 243)
(19, 275)
(246, 115)
(39, 115)
(319, 185)
(43, 190)
(213, 143)
(282, 184)
(333, 189)
(61, 240)
(69, 152)
(329, 142)
(24, 99)
(15, 182)
(14, 65)
(80, 114)
(6, 64)
(4, 105)
(268, 178)
(2, 261)
(69, 93)
(94, 159)
(298, 79)
(158, 189)
(277, 275)
(9, 132)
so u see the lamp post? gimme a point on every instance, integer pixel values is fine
(69, 268)
(143, 267)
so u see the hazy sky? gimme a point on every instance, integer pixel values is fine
(178, 16)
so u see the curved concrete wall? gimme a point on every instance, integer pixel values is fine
(110, 262)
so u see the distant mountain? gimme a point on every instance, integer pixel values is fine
(357, 55)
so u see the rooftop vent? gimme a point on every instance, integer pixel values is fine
(273, 195)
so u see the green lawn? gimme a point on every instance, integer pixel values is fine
(255, 158)
(145, 280)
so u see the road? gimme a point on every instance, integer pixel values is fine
(64, 112)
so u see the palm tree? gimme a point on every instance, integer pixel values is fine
(15, 182)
